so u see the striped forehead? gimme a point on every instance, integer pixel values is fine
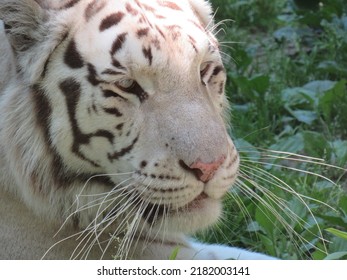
(139, 32)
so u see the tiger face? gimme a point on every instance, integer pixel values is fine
(130, 94)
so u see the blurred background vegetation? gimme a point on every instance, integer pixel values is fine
(287, 72)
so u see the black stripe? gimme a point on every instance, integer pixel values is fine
(193, 43)
(131, 10)
(113, 111)
(170, 5)
(147, 52)
(72, 91)
(122, 152)
(110, 93)
(92, 75)
(93, 8)
(61, 176)
(118, 43)
(70, 4)
(105, 134)
(117, 64)
(45, 67)
(160, 31)
(109, 71)
(72, 57)
(111, 20)
(120, 126)
(142, 32)
(43, 111)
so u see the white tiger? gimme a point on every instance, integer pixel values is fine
(111, 126)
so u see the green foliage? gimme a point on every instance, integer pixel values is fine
(337, 233)
(287, 82)
(174, 253)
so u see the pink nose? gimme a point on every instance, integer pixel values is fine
(205, 171)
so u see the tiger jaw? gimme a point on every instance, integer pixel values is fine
(199, 213)
(154, 212)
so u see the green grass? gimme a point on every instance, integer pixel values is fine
(287, 82)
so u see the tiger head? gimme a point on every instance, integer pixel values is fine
(130, 91)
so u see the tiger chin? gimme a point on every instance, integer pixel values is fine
(113, 129)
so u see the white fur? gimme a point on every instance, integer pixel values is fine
(180, 121)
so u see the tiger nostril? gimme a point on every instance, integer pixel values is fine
(196, 171)
(203, 171)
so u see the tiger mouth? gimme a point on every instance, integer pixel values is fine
(155, 211)
(197, 202)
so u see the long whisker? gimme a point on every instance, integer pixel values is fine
(276, 182)
(275, 154)
(78, 196)
(284, 186)
(92, 228)
(289, 229)
(133, 214)
(93, 200)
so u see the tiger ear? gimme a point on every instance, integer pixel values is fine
(24, 23)
(203, 10)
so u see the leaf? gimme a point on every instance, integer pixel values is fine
(344, 22)
(332, 67)
(307, 4)
(316, 145)
(269, 245)
(336, 256)
(285, 33)
(320, 86)
(318, 255)
(332, 219)
(299, 209)
(242, 59)
(343, 204)
(321, 97)
(247, 149)
(244, 85)
(340, 151)
(260, 83)
(337, 232)
(291, 144)
(334, 101)
(304, 116)
(298, 97)
(266, 219)
(174, 253)
(252, 87)
(253, 227)
(337, 244)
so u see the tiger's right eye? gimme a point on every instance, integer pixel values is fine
(125, 84)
